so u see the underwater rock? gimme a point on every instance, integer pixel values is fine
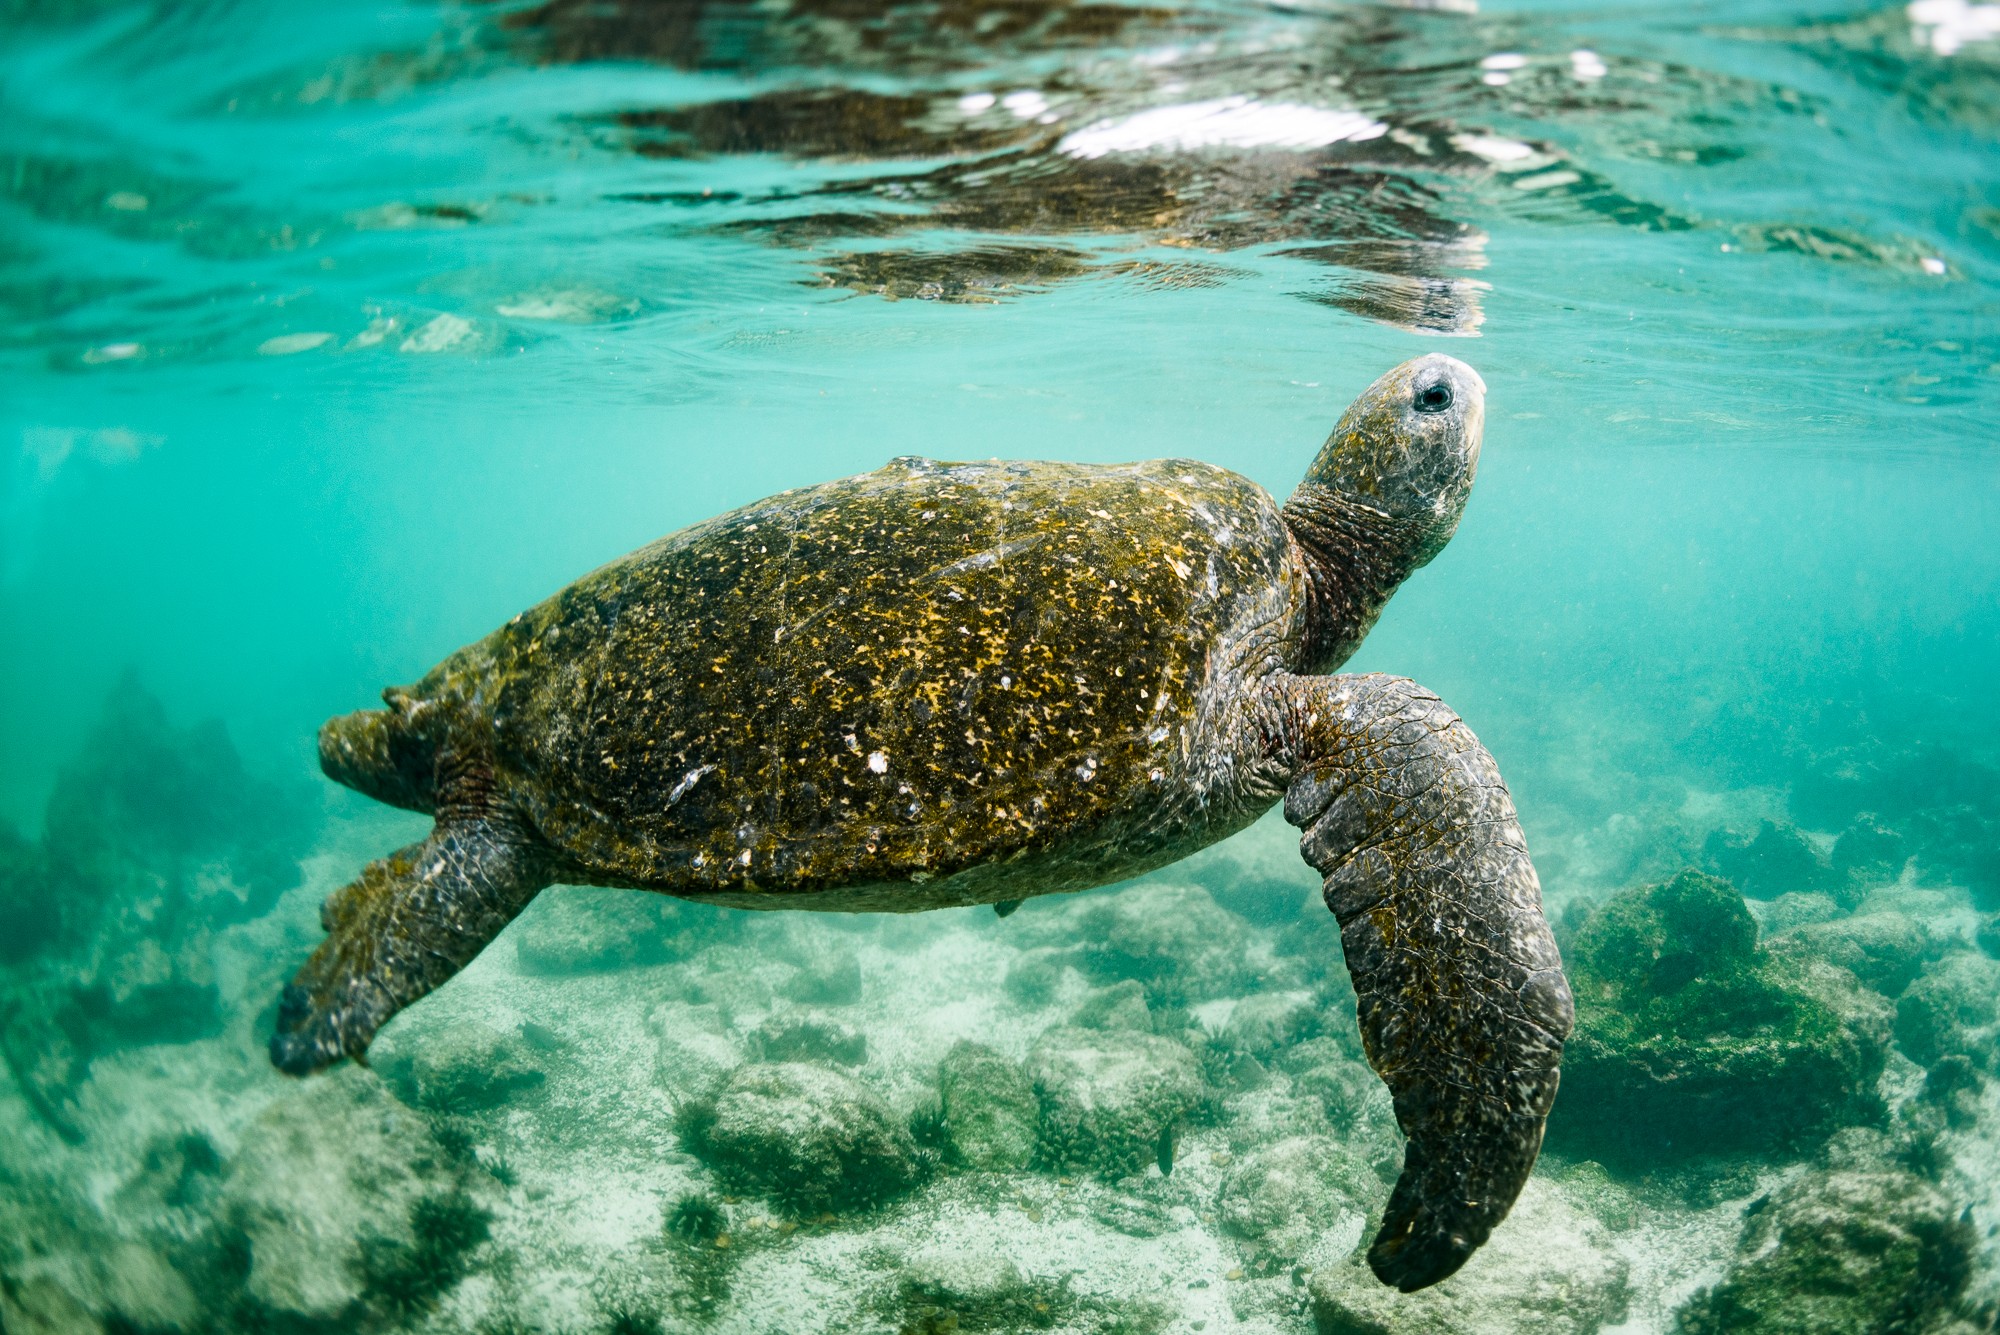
(1284, 1196)
(1794, 909)
(1886, 950)
(737, 978)
(580, 929)
(1962, 844)
(460, 1067)
(991, 1115)
(30, 915)
(333, 1161)
(1131, 1214)
(696, 1050)
(1173, 939)
(150, 811)
(45, 1042)
(1987, 935)
(1270, 1024)
(808, 1138)
(1350, 1092)
(155, 839)
(960, 1285)
(1692, 1041)
(1844, 1250)
(1953, 1008)
(1112, 1101)
(1549, 1269)
(1952, 1086)
(1776, 860)
(1945, 805)
(970, 1289)
(1590, 1186)
(1870, 852)
(1120, 1006)
(807, 1037)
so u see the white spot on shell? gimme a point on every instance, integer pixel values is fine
(878, 762)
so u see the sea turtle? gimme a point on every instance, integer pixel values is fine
(945, 684)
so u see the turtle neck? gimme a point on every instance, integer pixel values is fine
(1355, 556)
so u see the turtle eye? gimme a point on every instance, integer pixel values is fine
(1434, 400)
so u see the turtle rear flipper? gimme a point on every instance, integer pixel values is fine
(1463, 1003)
(405, 925)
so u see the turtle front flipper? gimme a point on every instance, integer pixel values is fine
(1463, 1003)
(405, 925)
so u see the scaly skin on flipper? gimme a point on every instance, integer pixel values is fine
(1463, 1003)
(405, 925)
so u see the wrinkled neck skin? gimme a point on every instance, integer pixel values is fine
(1355, 555)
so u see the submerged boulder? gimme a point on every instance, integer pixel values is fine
(1776, 860)
(1953, 1008)
(1549, 1269)
(1284, 1197)
(829, 976)
(1120, 1006)
(332, 1163)
(991, 1117)
(1845, 1250)
(804, 1036)
(1271, 1024)
(1692, 1040)
(1112, 1100)
(1869, 852)
(458, 1067)
(1886, 950)
(809, 1138)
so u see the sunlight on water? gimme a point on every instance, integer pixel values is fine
(331, 339)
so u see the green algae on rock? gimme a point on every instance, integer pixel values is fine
(464, 1067)
(1110, 1097)
(1885, 950)
(1283, 1197)
(1849, 1249)
(809, 1138)
(1953, 1008)
(1692, 1040)
(991, 1115)
(1776, 860)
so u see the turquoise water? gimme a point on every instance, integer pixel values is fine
(331, 339)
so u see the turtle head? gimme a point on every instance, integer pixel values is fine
(1384, 496)
(1407, 450)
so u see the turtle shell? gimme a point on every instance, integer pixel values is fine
(915, 687)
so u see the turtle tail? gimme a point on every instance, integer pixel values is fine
(384, 753)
